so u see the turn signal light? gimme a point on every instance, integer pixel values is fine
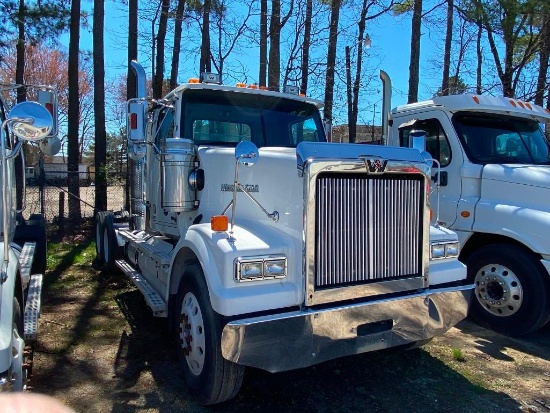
(219, 223)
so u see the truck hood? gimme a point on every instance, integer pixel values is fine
(530, 175)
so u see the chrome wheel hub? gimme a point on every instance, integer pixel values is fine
(498, 290)
(191, 333)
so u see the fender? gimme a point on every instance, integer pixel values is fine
(7, 292)
(512, 209)
(217, 257)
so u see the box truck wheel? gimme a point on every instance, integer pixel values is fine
(210, 377)
(17, 349)
(511, 289)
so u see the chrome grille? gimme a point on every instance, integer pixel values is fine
(368, 229)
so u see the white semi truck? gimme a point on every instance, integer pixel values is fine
(265, 246)
(494, 191)
(22, 242)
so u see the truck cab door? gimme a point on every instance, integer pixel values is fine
(438, 128)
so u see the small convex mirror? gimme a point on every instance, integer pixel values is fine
(30, 121)
(50, 146)
(246, 153)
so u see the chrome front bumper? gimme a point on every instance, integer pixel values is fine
(299, 339)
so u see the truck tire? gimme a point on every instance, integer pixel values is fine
(211, 378)
(111, 250)
(18, 373)
(34, 229)
(99, 220)
(512, 289)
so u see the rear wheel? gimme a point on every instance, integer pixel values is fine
(111, 250)
(18, 373)
(211, 378)
(511, 289)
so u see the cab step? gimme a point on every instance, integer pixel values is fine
(152, 298)
(32, 308)
(25, 261)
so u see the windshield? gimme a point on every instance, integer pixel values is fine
(225, 118)
(500, 139)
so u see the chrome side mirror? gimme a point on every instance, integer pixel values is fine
(246, 153)
(30, 121)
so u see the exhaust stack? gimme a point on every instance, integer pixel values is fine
(386, 104)
(136, 168)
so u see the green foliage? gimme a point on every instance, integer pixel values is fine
(44, 20)
(457, 355)
(456, 86)
(403, 7)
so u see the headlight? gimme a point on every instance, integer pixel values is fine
(444, 250)
(451, 249)
(260, 268)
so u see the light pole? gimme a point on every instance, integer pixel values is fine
(353, 94)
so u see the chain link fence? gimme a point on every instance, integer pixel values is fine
(50, 195)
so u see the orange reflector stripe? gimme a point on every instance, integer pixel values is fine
(512, 103)
(528, 106)
(476, 99)
(520, 103)
(219, 223)
(547, 110)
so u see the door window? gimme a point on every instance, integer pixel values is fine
(437, 143)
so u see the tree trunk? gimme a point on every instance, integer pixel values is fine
(161, 39)
(305, 48)
(73, 116)
(351, 125)
(205, 63)
(177, 44)
(331, 59)
(274, 67)
(542, 84)
(99, 106)
(263, 43)
(414, 66)
(447, 52)
(479, 52)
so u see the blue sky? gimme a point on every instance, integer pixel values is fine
(389, 51)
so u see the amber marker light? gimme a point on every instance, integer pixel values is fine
(243, 85)
(465, 214)
(193, 80)
(219, 223)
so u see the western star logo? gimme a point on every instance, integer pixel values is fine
(376, 166)
(248, 188)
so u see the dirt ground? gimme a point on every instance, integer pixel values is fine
(101, 350)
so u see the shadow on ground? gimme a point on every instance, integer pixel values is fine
(387, 381)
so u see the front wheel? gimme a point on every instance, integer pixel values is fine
(511, 290)
(211, 378)
(18, 372)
